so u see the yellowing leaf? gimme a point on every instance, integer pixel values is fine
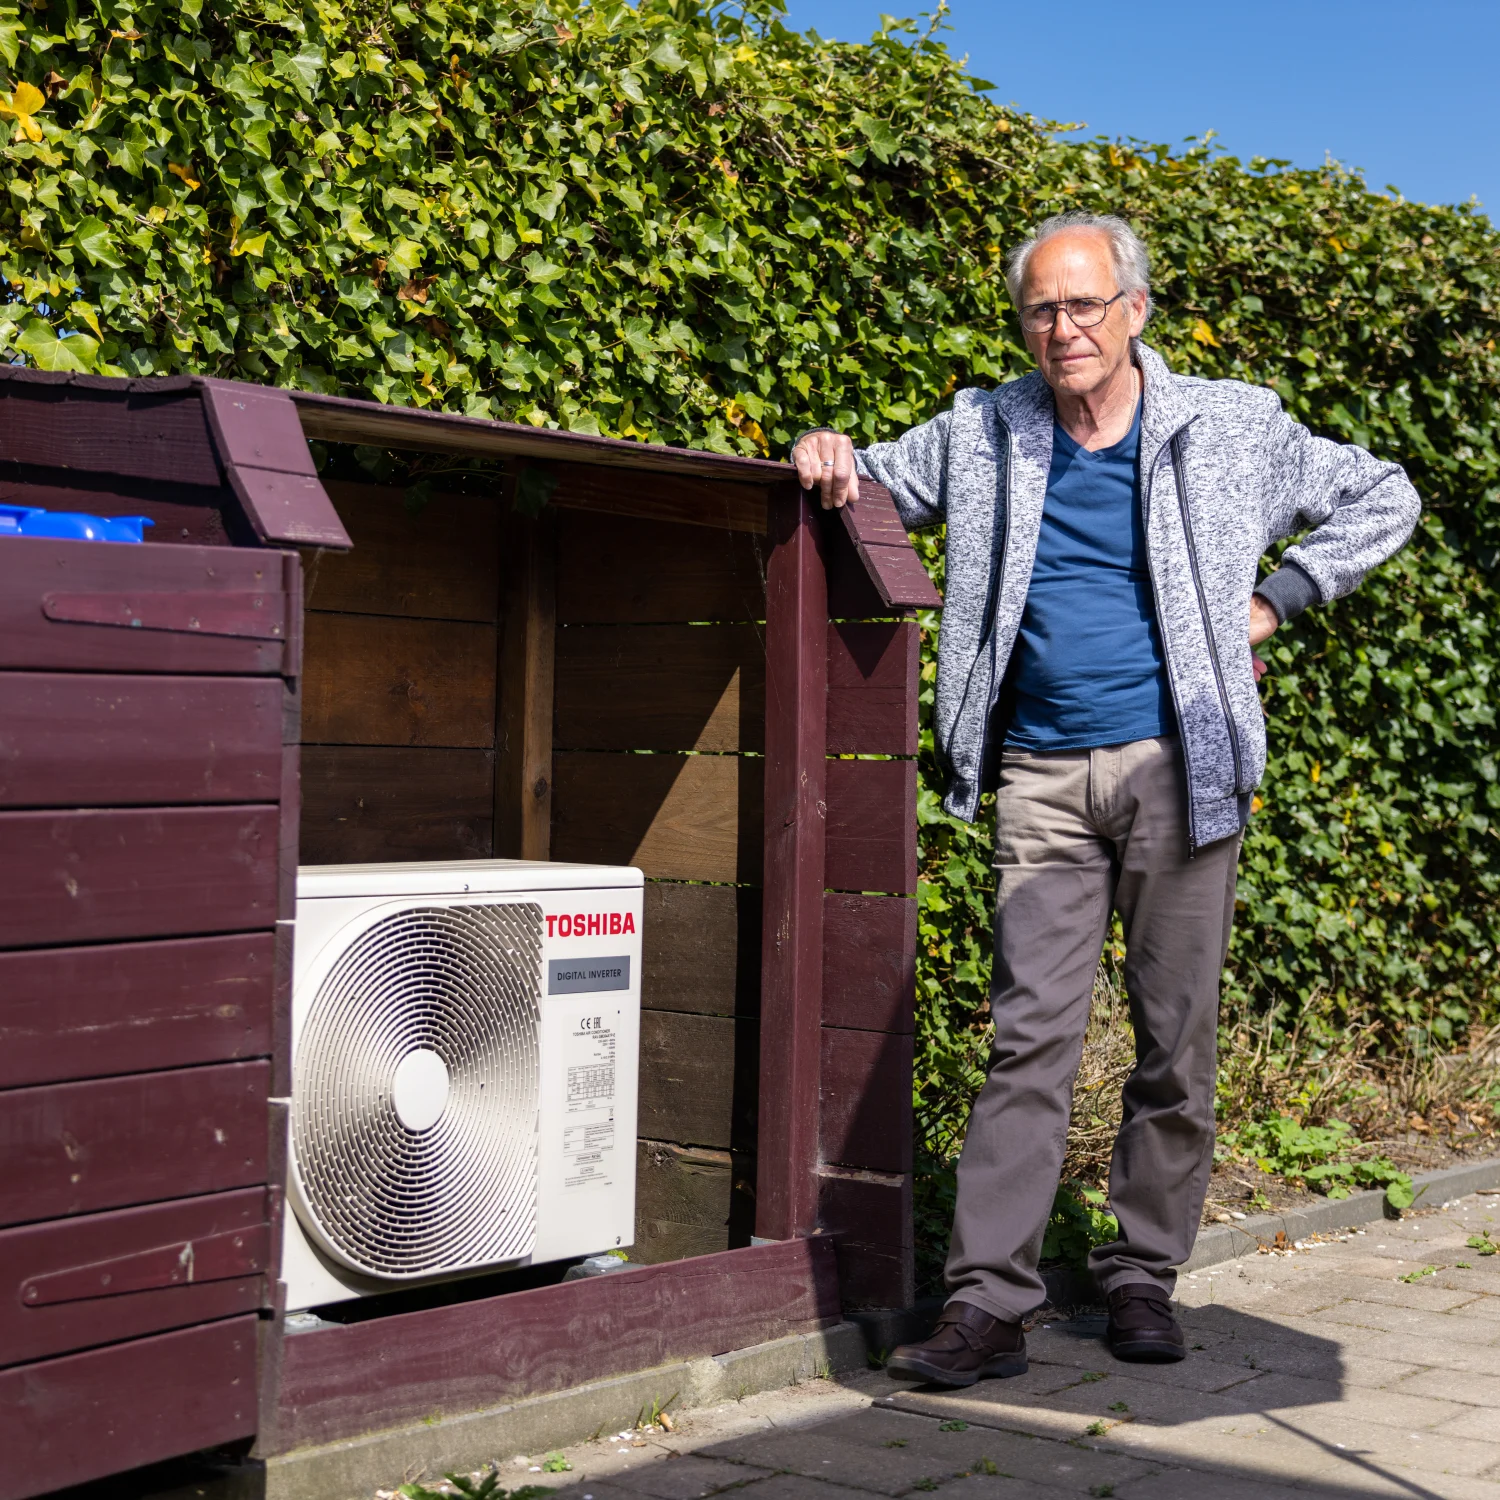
(1203, 334)
(1317, 771)
(185, 174)
(726, 169)
(255, 245)
(1337, 244)
(1256, 803)
(21, 106)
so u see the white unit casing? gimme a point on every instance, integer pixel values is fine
(465, 1044)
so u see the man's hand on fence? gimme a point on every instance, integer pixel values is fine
(825, 462)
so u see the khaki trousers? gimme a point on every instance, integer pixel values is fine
(1077, 833)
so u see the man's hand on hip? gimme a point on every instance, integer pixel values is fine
(825, 462)
(1264, 622)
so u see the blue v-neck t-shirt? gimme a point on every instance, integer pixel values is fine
(1088, 669)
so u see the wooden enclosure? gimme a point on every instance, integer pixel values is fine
(680, 663)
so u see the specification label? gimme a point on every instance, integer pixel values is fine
(589, 1131)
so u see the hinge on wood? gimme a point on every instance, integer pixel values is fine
(258, 614)
(214, 1257)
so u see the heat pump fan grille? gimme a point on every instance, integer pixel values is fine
(414, 1118)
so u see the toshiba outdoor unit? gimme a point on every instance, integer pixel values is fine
(465, 1039)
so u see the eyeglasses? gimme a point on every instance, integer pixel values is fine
(1083, 312)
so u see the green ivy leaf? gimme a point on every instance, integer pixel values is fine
(38, 340)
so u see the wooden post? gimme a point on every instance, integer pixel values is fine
(523, 729)
(795, 822)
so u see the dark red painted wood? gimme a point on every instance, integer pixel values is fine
(256, 427)
(246, 615)
(852, 594)
(869, 962)
(114, 431)
(132, 1007)
(870, 1213)
(792, 931)
(31, 567)
(180, 513)
(87, 1416)
(865, 1089)
(880, 539)
(76, 1148)
(80, 877)
(872, 688)
(38, 1262)
(872, 825)
(82, 739)
(337, 1382)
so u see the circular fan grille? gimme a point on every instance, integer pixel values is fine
(461, 982)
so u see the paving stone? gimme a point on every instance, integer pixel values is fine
(688, 1477)
(791, 1487)
(1422, 1296)
(1198, 1372)
(1073, 1467)
(1408, 1320)
(1440, 1354)
(884, 1471)
(1188, 1484)
(1001, 1487)
(1481, 1423)
(1466, 1388)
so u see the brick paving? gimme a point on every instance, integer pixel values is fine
(1316, 1372)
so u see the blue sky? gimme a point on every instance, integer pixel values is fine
(1409, 90)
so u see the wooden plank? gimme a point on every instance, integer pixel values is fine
(436, 561)
(268, 464)
(181, 513)
(82, 739)
(873, 682)
(362, 1377)
(374, 680)
(690, 1201)
(130, 1007)
(869, 962)
(523, 729)
(108, 1241)
(880, 539)
(872, 825)
(701, 949)
(32, 568)
(342, 419)
(661, 687)
(93, 1415)
(865, 1093)
(76, 1148)
(109, 432)
(870, 1213)
(690, 500)
(676, 817)
(82, 877)
(698, 1079)
(371, 804)
(794, 824)
(617, 571)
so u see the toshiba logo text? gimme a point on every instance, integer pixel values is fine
(591, 924)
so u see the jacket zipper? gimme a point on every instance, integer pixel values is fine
(992, 603)
(1187, 759)
(997, 584)
(1208, 629)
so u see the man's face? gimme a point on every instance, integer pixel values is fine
(1072, 359)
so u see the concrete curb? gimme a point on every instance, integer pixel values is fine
(1245, 1237)
(354, 1469)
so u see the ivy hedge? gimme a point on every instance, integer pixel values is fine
(688, 224)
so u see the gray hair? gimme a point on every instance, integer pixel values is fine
(1132, 262)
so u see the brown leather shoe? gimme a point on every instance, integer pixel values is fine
(967, 1345)
(1141, 1328)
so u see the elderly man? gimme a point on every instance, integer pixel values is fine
(1106, 518)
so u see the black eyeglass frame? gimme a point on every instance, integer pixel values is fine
(1056, 307)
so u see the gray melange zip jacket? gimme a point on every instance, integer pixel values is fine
(1224, 473)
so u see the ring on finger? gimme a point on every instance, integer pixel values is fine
(827, 463)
